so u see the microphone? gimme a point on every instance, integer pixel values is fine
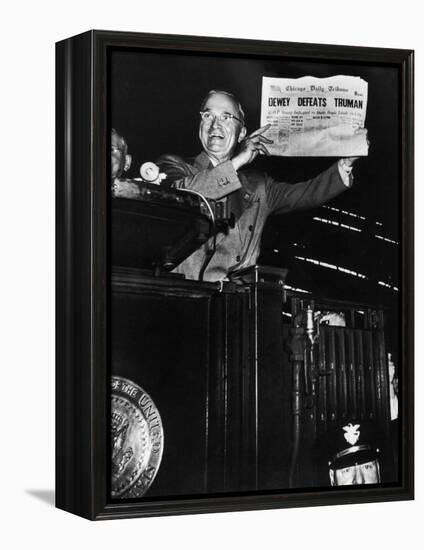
(150, 173)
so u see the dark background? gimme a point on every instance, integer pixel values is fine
(155, 101)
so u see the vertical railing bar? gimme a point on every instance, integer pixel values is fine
(322, 382)
(352, 398)
(360, 377)
(377, 373)
(332, 379)
(343, 380)
(371, 375)
(385, 371)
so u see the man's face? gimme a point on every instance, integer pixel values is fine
(219, 138)
(357, 474)
(120, 161)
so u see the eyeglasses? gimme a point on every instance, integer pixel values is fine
(209, 116)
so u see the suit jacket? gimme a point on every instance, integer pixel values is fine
(253, 196)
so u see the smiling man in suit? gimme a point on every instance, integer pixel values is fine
(222, 172)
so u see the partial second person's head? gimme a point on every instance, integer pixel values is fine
(354, 457)
(221, 125)
(120, 159)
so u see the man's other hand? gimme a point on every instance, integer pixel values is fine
(348, 161)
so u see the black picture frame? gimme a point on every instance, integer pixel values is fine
(83, 273)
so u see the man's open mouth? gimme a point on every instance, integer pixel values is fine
(216, 136)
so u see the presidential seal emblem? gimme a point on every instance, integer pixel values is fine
(136, 439)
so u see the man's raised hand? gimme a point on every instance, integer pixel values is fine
(251, 146)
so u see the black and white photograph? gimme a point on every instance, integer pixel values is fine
(255, 274)
(211, 228)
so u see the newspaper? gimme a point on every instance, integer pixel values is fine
(315, 117)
